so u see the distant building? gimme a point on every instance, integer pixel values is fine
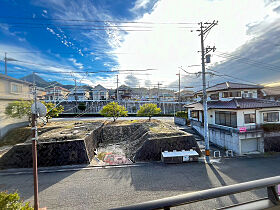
(79, 94)
(125, 92)
(270, 93)
(11, 89)
(185, 96)
(99, 93)
(56, 94)
(40, 92)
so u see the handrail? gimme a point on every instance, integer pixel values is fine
(166, 203)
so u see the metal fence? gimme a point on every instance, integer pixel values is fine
(271, 201)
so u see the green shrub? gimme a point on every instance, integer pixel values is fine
(148, 110)
(113, 110)
(182, 114)
(12, 202)
(271, 127)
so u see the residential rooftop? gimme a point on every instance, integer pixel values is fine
(237, 103)
(231, 86)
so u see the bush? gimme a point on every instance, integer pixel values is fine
(182, 114)
(113, 110)
(271, 127)
(148, 110)
(12, 201)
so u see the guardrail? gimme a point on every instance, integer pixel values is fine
(166, 203)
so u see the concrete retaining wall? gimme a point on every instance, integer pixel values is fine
(221, 138)
(5, 129)
(49, 154)
(180, 120)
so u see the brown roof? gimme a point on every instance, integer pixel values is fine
(230, 86)
(242, 103)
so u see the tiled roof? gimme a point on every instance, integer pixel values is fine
(230, 86)
(241, 103)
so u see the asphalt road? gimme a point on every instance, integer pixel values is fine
(113, 187)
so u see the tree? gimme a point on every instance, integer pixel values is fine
(113, 110)
(20, 109)
(148, 110)
(53, 111)
(12, 201)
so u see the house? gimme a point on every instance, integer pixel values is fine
(124, 91)
(99, 93)
(40, 92)
(235, 116)
(12, 89)
(56, 93)
(185, 95)
(270, 93)
(79, 94)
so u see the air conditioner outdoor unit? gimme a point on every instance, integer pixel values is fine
(244, 95)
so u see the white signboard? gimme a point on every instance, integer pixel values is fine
(186, 158)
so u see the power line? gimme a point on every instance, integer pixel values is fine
(252, 63)
(96, 21)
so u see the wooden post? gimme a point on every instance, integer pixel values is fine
(34, 154)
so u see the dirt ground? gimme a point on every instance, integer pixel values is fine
(67, 130)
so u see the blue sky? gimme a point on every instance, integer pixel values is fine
(46, 36)
(36, 32)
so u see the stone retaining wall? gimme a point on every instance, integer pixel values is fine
(272, 144)
(115, 134)
(152, 148)
(49, 154)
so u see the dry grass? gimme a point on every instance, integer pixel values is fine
(16, 136)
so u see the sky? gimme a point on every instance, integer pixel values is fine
(58, 36)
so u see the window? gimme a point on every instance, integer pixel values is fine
(226, 118)
(15, 88)
(232, 94)
(250, 118)
(194, 114)
(271, 117)
(214, 96)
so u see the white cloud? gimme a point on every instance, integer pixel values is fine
(167, 47)
(77, 64)
(140, 4)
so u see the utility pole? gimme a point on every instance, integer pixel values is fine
(203, 30)
(54, 93)
(6, 72)
(179, 90)
(76, 94)
(158, 84)
(117, 88)
(34, 147)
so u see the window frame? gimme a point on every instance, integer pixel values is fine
(197, 114)
(270, 117)
(19, 86)
(250, 118)
(231, 94)
(226, 118)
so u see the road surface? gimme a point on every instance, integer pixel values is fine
(117, 186)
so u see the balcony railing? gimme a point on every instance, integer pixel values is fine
(271, 201)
